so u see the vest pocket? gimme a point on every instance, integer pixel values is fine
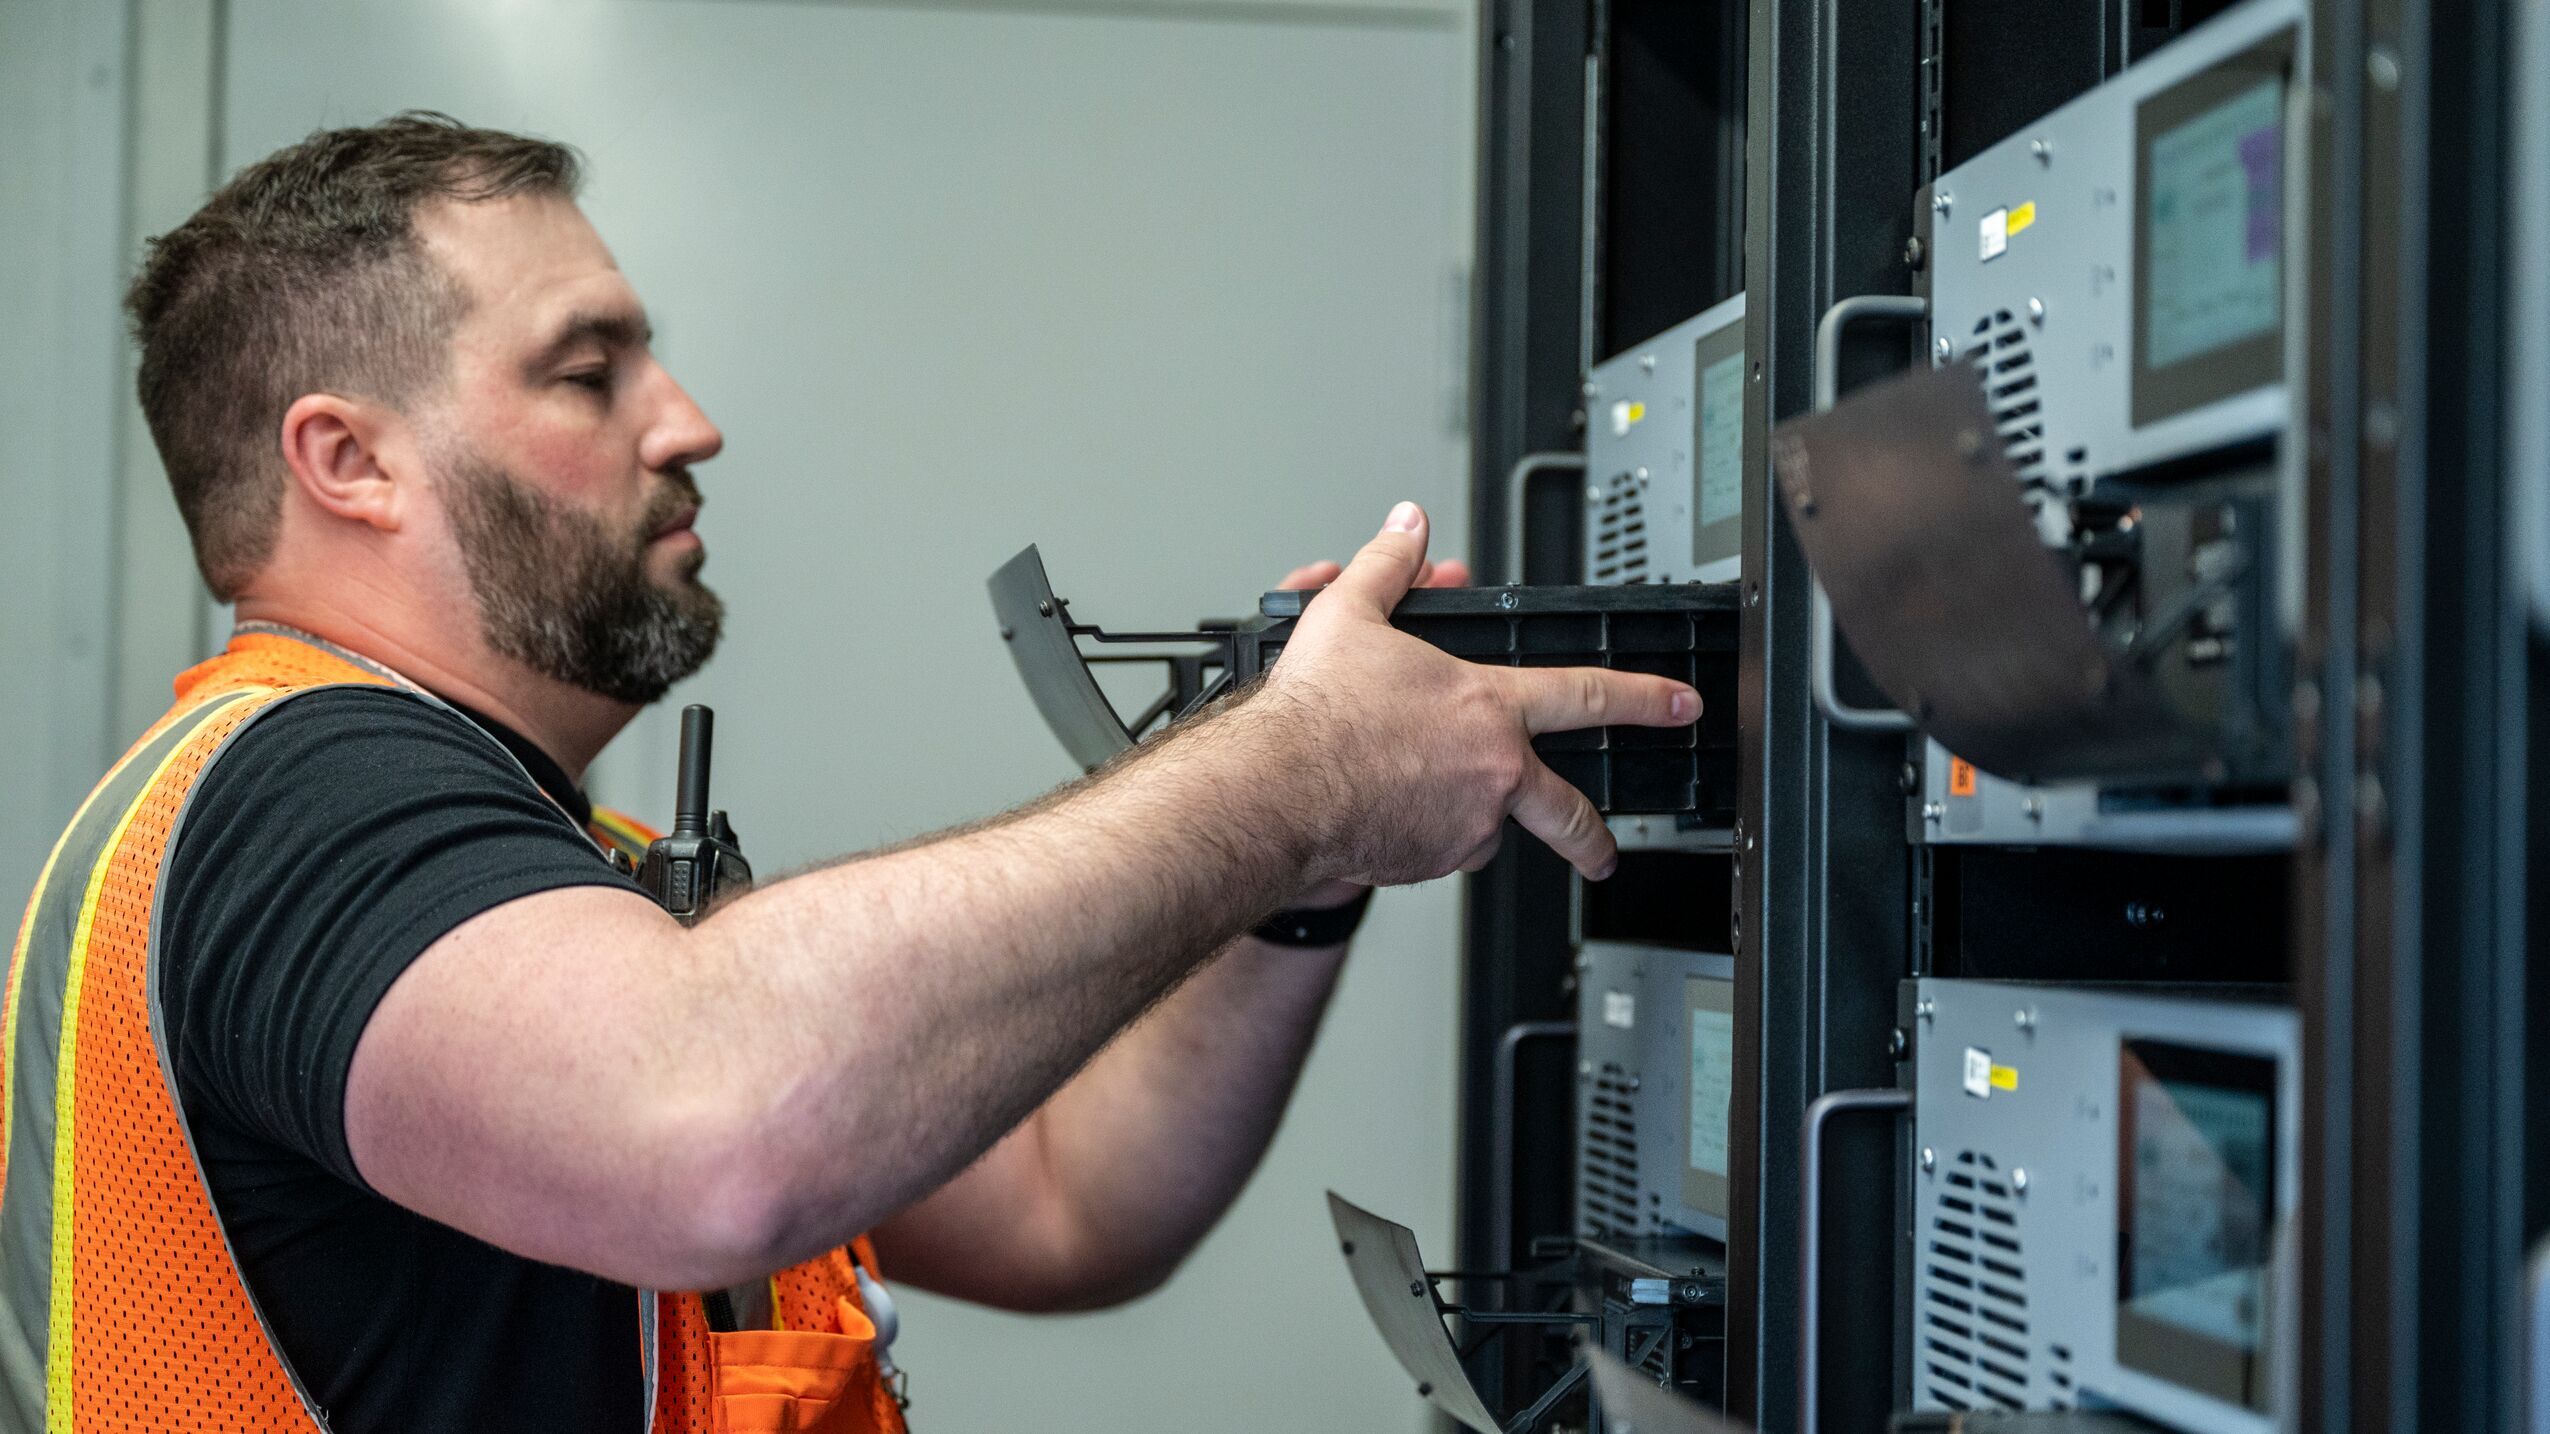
(789, 1381)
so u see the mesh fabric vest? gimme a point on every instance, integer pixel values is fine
(121, 1307)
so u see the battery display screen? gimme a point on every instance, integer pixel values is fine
(2209, 234)
(2217, 228)
(2196, 1209)
(1721, 440)
(1717, 446)
(1709, 1009)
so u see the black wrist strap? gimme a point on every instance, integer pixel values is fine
(1329, 927)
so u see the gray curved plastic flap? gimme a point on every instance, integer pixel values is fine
(1391, 1277)
(1037, 632)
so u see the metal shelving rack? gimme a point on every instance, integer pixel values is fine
(1631, 173)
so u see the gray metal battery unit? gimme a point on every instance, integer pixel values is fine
(2118, 273)
(2100, 1177)
(1656, 1053)
(1664, 455)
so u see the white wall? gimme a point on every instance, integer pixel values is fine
(1169, 289)
(62, 95)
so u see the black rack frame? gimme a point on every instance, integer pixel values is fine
(2416, 692)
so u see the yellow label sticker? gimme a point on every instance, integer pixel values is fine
(1637, 411)
(1960, 777)
(2022, 217)
(2005, 1077)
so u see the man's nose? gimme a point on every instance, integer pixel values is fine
(682, 434)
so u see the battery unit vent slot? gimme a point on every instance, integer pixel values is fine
(1999, 351)
(1620, 533)
(1607, 1184)
(1973, 1347)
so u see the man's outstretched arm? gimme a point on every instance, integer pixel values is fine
(1100, 1195)
(573, 1077)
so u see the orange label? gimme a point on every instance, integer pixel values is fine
(1960, 777)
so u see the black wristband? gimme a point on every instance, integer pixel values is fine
(1328, 926)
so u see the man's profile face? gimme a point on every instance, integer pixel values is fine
(562, 451)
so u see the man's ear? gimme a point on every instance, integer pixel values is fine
(339, 452)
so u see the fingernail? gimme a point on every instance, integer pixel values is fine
(1686, 703)
(1402, 519)
(1608, 868)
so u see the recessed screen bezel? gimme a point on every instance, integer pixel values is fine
(1723, 540)
(2250, 363)
(1703, 1190)
(2162, 1350)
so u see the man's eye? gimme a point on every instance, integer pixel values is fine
(598, 379)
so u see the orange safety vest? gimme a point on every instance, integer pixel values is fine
(121, 1306)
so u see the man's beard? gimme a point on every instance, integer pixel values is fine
(561, 593)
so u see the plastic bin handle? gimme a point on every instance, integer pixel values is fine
(1823, 649)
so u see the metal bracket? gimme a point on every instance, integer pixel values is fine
(1633, 1403)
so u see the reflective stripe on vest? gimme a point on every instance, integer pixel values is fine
(121, 1307)
(122, 1304)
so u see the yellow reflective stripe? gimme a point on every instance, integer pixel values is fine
(59, 1342)
(18, 968)
(26, 928)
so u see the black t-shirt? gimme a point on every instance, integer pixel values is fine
(342, 834)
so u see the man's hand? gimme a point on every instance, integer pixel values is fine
(1420, 756)
(1449, 573)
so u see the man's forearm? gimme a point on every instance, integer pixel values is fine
(925, 1000)
(1110, 1184)
(1154, 1143)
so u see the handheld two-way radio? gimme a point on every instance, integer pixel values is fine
(688, 870)
(698, 863)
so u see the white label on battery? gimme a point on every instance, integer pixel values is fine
(1620, 1009)
(1978, 1073)
(1996, 233)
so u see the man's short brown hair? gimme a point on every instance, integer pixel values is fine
(304, 274)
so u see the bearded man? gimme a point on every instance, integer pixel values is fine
(352, 1086)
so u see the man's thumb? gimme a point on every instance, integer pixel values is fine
(1387, 567)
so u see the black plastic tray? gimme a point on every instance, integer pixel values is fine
(1685, 631)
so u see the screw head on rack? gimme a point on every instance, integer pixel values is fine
(1929, 1159)
(2019, 1179)
(1943, 350)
